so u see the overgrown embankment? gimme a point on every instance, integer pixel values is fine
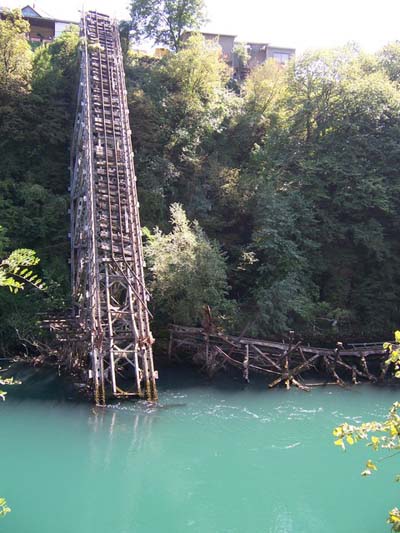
(293, 178)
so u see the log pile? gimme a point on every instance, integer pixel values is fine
(287, 363)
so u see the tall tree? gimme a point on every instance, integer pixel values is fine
(389, 59)
(165, 21)
(15, 53)
(36, 121)
(188, 272)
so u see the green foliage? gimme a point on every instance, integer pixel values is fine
(242, 54)
(297, 179)
(264, 88)
(181, 104)
(36, 123)
(325, 160)
(196, 72)
(389, 59)
(15, 270)
(188, 272)
(165, 21)
(124, 35)
(15, 52)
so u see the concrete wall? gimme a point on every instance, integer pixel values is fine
(226, 42)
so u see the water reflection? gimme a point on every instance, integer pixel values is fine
(131, 425)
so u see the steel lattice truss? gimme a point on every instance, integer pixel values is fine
(109, 294)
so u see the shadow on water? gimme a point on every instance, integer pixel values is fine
(39, 383)
(45, 384)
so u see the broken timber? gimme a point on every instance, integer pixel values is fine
(108, 289)
(287, 363)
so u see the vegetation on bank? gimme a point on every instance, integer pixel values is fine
(37, 104)
(288, 184)
(295, 176)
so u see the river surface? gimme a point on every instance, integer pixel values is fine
(215, 458)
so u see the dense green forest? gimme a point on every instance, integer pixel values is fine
(275, 201)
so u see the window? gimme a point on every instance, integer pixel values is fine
(281, 57)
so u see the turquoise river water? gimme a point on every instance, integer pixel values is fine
(213, 458)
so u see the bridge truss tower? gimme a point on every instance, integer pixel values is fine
(108, 288)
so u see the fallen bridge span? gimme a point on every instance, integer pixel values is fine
(287, 363)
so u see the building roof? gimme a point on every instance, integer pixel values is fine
(217, 34)
(34, 13)
(189, 32)
(260, 43)
(283, 48)
(29, 11)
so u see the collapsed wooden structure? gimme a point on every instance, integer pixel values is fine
(287, 363)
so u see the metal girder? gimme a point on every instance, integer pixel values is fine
(108, 288)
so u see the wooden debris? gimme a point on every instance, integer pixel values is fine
(286, 363)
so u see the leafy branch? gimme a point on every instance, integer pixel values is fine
(380, 435)
(15, 270)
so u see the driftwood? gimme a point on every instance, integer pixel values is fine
(286, 363)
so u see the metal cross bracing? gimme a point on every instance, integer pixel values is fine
(109, 293)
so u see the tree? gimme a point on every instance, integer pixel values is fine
(327, 160)
(197, 72)
(296, 178)
(241, 58)
(389, 59)
(165, 21)
(188, 272)
(36, 124)
(15, 52)
(181, 103)
(265, 88)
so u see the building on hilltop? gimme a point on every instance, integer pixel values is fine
(261, 52)
(258, 53)
(226, 42)
(43, 28)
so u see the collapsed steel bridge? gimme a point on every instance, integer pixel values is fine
(108, 289)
